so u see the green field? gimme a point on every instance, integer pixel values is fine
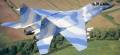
(97, 47)
(4, 40)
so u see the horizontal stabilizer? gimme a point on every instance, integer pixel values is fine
(11, 25)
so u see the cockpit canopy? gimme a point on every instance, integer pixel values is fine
(100, 3)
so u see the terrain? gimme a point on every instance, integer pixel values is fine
(108, 19)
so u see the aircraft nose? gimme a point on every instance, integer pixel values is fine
(107, 5)
(103, 5)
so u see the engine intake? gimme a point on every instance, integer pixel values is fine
(28, 31)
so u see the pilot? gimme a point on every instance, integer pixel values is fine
(100, 4)
(95, 3)
(105, 3)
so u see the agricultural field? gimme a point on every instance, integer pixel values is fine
(53, 4)
(96, 47)
(116, 16)
(9, 35)
(108, 19)
(4, 40)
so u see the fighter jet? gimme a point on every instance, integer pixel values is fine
(47, 23)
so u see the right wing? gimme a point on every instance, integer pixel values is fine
(72, 28)
(76, 35)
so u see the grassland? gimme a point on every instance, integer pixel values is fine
(4, 40)
(97, 47)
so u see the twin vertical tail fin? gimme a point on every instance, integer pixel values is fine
(24, 13)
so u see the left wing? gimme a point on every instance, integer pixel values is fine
(45, 36)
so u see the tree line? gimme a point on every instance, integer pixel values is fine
(28, 47)
(110, 34)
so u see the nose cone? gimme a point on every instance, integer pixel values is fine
(106, 5)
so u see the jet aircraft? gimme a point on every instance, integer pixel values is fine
(44, 24)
